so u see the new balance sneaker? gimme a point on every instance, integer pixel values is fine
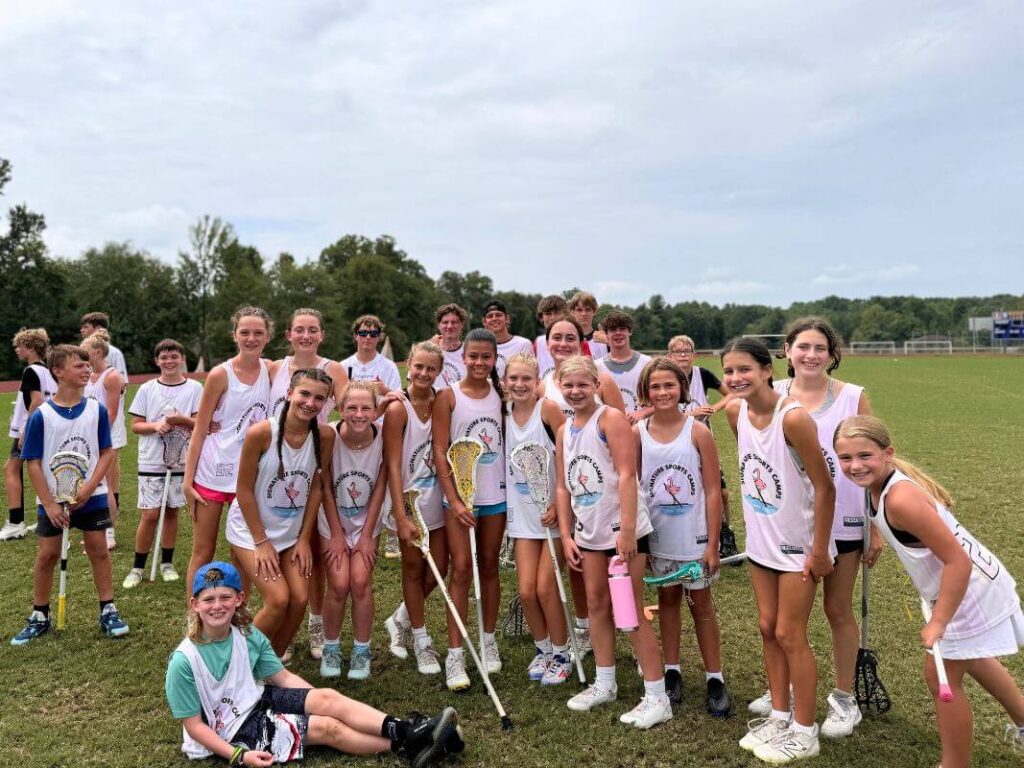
(843, 716)
(429, 739)
(674, 686)
(538, 665)
(426, 658)
(359, 665)
(455, 676)
(491, 657)
(762, 730)
(13, 531)
(651, 711)
(717, 701)
(316, 637)
(400, 636)
(391, 548)
(559, 670)
(788, 746)
(590, 697)
(37, 624)
(133, 579)
(111, 623)
(330, 661)
(167, 572)
(111, 540)
(583, 643)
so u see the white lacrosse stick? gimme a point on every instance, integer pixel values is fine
(945, 692)
(463, 456)
(175, 445)
(69, 469)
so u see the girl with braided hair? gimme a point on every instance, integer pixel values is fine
(270, 522)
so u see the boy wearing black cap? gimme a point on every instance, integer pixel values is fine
(496, 320)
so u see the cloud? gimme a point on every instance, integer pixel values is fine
(846, 275)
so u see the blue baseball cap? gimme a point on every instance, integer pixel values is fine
(216, 574)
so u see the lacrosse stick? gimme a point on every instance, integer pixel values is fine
(69, 469)
(867, 686)
(514, 619)
(463, 455)
(412, 505)
(531, 459)
(507, 554)
(945, 692)
(175, 444)
(689, 573)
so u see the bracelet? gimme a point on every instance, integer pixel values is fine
(264, 540)
(237, 754)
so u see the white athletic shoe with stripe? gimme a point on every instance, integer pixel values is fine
(789, 746)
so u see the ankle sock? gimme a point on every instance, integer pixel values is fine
(104, 604)
(709, 676)
(674, 668)
(43, 609)
(807, 730)
(456, 653)
(420, 636)
(395, 731)
(655, 688)
(489, 638)
(166, 555)
(358, 646)
(140, 560)
(17, 515)
(777, 715)
(560, 650)
(402, 615)
(605, 677)
(544, 646)
(582, 623)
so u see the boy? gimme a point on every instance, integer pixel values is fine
(69, 421)
(37, 385)
(622, 363)
(583, 307)
(496, 320)
(160, 405)
(548, 310)
(91, 321)
(451, 319)
(367, 364)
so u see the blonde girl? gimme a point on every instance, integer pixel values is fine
(107, 387)
(565, 340)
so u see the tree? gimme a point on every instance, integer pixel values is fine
(470, 291)
(238, 281)
(207, 238)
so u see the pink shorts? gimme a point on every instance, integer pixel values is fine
(212, 496)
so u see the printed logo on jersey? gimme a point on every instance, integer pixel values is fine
(253, 415)
(830, 461)
(630, 399)
(791, 549)
(78, 444)
(275, 409)
(762, 487)
(585, 480)
(673, 489)
(851, 521)
(352, 489)
(451, 373)
(487, 431)
(287, 496)
(421, 465)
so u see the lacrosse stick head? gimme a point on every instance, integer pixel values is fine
(868, 688)
(463, 456)
(411, 496)
(69, 469)
(532, 460)
(514, 622)
(175, 445)
(686, 574)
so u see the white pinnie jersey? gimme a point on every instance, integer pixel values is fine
(597, 349)
(279, 390)
(778, 498)
(281, 500)
(115, 359)
(378, 368)
(240, 407)
(671, 480)
(514, 346)
(698, 397)
(418, 470)
(553, 392)
(523, 514)
(626, 380)
(593, 485)
(48, 387)
(95, 391)
(354, 475)
(991, 592)
(481, 419)
(453, 370)
(545, 363)
(152, 402)
(848, 522)
(79, 435)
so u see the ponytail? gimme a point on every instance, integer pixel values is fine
(280, 439)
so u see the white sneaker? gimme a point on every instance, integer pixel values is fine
(762, 706)
(789, 746)
(1014, 738)
(843, 716)
(761, 731)
(648, 713)
(426, 659)
(133, 579)
(315, 629)
(491, 658)
(538, 666)
(111, 541)
(591, 697)
(12, 531)
(559, 670)
(167, 572)
(455, 676)
(400, 637)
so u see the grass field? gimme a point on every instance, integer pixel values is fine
(79, 699)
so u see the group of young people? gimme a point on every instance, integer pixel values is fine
(313, 458)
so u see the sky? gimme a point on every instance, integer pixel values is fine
(748, 151)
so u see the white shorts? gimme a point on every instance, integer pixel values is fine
(151, 492)
(663, 566)
(1004, 639)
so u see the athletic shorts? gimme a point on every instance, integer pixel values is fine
(277, 724)
(92, 520)
(151, 491)
(1004, 639)
(15, 450)
(486, 510)
(663, 566)
(778, 571)
(845, 546)
(643, 547)
(211, 496)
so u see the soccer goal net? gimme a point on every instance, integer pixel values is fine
(774, 341)
(931, 347)
(873, 347)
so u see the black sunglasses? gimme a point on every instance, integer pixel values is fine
(372, 334)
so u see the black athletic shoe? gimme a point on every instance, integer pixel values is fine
(727, 542)
(718, 698)
(429, 738)
(674, 687)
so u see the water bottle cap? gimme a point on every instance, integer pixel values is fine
(618, 567)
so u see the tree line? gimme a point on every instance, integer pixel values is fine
(193, 299)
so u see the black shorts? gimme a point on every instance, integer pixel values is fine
(776, 570)
(94, 520)
(845, 546)
(643, 547)
(15, 450)
(259, 728)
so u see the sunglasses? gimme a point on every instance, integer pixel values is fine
(372, 334)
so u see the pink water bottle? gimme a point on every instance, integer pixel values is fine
(620, 585)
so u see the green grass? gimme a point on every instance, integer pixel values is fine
(78, 699)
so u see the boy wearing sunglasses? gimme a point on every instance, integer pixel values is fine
(367, 364)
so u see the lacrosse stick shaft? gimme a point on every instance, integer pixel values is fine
(62, 594)
(945, 692)
(569, 624)
(864, 587)
(476, 588)
(160, 525)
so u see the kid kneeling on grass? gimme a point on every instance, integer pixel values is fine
(70, 422)
(212, 688)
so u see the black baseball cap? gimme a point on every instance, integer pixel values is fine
(497, 304)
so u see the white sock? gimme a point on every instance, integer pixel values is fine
(605, 677)
(402, 615)
(708, 676)
(137, 570)
(358, 646)
(456, 653)
(314, 619)
(841, 694)
(489, 638)
(420, 636)
(583, 623)
(777, 715)
(807, 730)
(655, 688)
(329, 641)
(673, 668)
(544, 646)
(561, 650)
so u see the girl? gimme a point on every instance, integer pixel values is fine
(472, 407)
(236, 396)
(788, 499)
(350, 527)
(304, 335)
(813, 350)
(408, 451)
(679, 475)
(975, 609)
(211, 687)
(597, 488)
(107, 387)
(535, 420)
(271, 520)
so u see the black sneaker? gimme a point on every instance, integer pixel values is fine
(429, 739)
(674, 687)
(727, 542)
(718, 698)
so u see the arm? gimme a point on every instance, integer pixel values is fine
(302, 553)
(112, 392)
(395, 419)
(256, 443)
(205, 735)
(441, 431)
(215, 387)
(711, 480)
(340, 378)
(563, 505)
(732, 413)
(623, 451)
(552, 415)
(802, 434)
(367, 544)
(337, 546)
(609, 392)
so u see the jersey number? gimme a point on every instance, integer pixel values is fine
(981, 558)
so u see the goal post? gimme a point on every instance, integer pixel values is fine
(872, 347)
(928, 347)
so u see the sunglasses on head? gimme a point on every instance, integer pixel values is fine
(372, 334)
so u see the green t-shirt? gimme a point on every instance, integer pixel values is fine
(180, 684)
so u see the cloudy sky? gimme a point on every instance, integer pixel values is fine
(746, 151)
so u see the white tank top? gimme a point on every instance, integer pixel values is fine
(453, 370)
(279, 389)
(281, 502)
(991, 592)
(226, 703)
(778, 498)
(848, 522)
(418, 470)
(593, 486)
(48, 387)
(671, 479)
(553, 392)
(523, 515)
(241, 406)
(698, 396)
(545, 362)
(79, 435)
(481, 418)
(353, 477)
(514, 346)
(626, 381)
(96, 391)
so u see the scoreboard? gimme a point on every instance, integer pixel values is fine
(1008, 326)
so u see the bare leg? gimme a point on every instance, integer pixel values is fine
(669, 622)
(275, 594)
(796, 598)
(599, 601)
(99, 558)
(705, 624)
(361, 584)
(205, 530)
(14, 484)
(997, 680)
(528, 553)
(956, 721)
(298, 598)
(644, 642)
(766, 595)
(839, 612)
(42, 573)
(461, 575)
(490, 532)
(336, 596)
(579, 594)
(547, 595)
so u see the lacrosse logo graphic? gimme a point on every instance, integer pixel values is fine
(674, 489)
(287, 495)
(585, 480)
(762, 488)
(488, 432)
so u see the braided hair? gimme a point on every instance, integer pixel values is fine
(313, 374)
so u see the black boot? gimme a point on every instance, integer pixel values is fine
(429, 739)
(674, 687)
(718, 698)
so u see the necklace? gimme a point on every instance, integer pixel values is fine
(423, 407)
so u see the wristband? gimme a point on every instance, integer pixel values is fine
(237, 754)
